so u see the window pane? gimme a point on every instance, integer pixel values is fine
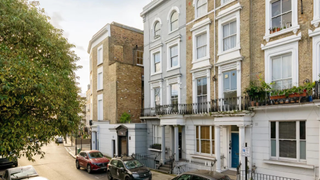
(276, 8)
(302, 130)
(205, 132)
(273, 148)
(174, 25)
(286, 66)
(286, 84)
(226, 44)
(197, 132)
(226, 81)
(174, 51)
(174, 90)
(212, 131)
(273, 130)
(232, 41)
(287, 130)
(156, 57)
(303, 150)
(205, 146)
(233, 28)
(288, 149)
(286, 5)
(201, 40)
(226, 29)
(276, 22)
(276, 68)
(174, 16)
(286, 18)
(157, 67)
(174, 21)
(201, 52)
(204, 86)
(174, 61)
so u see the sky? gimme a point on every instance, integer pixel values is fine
(81, 19)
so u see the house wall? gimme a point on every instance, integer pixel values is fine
(161, 12)
(261, 140)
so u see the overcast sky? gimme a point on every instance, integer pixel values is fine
(81, 19)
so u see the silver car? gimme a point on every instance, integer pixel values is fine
(23, 172)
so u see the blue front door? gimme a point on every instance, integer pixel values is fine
(235, 149)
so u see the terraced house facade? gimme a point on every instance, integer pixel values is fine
(228, 44)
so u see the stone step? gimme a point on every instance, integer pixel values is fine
(163, 171)
(168, 169)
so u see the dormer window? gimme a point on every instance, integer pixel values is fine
(174, 21)
(157, 30)
(201, 8)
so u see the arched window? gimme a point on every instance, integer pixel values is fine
(201, 7)
(174, 21)
(157, 30)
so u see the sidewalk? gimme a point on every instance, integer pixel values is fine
(155, 175)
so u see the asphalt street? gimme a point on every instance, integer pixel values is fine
(59, 165)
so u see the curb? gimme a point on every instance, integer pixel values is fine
(71, 154)
(162, 172)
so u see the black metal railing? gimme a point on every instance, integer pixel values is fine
(216, 105)
(148, 160)
(259, 176)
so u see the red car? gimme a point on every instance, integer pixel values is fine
(92, 161)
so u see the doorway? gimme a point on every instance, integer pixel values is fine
(113, 147)
(123, 148)
(234, 150)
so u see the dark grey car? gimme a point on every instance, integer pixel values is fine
(202, 175)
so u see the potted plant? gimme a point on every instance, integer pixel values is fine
(308, 88)
(274, 29)
(278, 28)
(252, 91)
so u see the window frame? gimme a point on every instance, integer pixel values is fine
(173, 21)
(316, 13)
(100, 109)
(155, 31)
(157, 134)
(171, 44)
(196, 8)
(281, 69)
(137, 57)
(99, 60)
(212, 140)
(171, 94)
(153, 52)
(100, 78)
(297, 139)
(229, 36)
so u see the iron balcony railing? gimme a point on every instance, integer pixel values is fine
(217, 105)
(259, 176)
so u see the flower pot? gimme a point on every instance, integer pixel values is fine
(257, 103)
(277, 97)
(278, 29)
(252, 103)
(297, 95)
(310, 99)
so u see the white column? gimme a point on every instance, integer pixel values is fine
(163, 144)
(242, 143)
(217, 147)
(176, 143)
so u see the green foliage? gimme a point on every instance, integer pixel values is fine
(125, 118)
(38, 92)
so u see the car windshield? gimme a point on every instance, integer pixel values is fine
(132, 164)
(23, 172)
(95, 155)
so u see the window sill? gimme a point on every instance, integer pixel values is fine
(99, 90)
(294, 29)
(171, 32)
(315, 22)
(229, 51)
(200, 60)
(178, 67)
(204, 157)
(99, 64)
(140, 65)
(288, 163)
(154, 74)
(155, 40)
(155, 150)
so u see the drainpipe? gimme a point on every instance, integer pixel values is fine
(214, 50)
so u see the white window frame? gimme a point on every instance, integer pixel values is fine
(169, 82)
(316, 13)
(277, 157)
(152, 28)
(226, 2)
(172, 10)
(282, 49)
(195, 33)
(225, 68)
(195, 5)
(272, 59)
(223, 21)
(170, 44)
(154, 85)
(268, 21)
(195, 76)
(152, 52)
(100, 83)
(100, 61)
(315, 55)
(195, 137)
(156, 134)
(99, 109)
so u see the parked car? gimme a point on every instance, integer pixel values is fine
(59, 140)
(202, 175)
(6, 162)
(92, 160)
(128, 168)
(24, 172)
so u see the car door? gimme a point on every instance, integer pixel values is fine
(80, 159)
(86, 159)
(195, 177)
(113, 167)
(121, 171)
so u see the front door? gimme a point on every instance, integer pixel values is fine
(234, 150)
(123, 146)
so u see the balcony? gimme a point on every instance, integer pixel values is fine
(218, 105)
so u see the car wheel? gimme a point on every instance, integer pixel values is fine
(109, 175)
(77, 165)
(89, 169)
(128, 178)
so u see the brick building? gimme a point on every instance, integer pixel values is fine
(230, 43)
(116, 81)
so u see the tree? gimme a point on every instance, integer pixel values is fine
(38, 92)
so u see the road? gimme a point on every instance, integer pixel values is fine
(59, 165)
